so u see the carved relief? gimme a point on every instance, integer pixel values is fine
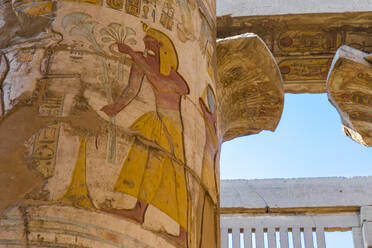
(110, 139)
(359, 40)
(51, 105)
(250, 88)
(77, 193)
(308, 41)
(95, 2)
(45, 149)
(115, 4)
(133, 7)
(305, 69)
(208, 196)
(36, 8)
(185, 29)
(349, 88)
(304, 42)
(148, 170)
(167, 15)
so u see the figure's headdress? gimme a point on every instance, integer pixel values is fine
(167, 51)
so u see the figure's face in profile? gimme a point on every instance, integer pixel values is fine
(151, 44)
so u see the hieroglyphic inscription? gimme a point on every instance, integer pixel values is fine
(357, 97)
(46, 140)
(76, 50)
(167, 15)
(250, 88)
(364, 77)
(95, 2)
(308, 41)
(304, 41)
(115, 4)
(361, 41)
(52, 105)
(349, 90)
(45, 147)
(305, 69)
(149, 9)
(133, 7)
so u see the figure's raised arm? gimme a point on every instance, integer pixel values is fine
(129, 93)
(136, 56)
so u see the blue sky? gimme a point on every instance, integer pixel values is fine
(308, 142)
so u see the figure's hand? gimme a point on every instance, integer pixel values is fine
(110, 110)
(124, 48)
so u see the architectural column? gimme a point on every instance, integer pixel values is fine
(250, 87)
(108, 124)
(349, 87)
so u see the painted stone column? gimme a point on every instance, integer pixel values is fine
(108, 124)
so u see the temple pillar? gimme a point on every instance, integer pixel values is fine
(109, 126)
(250, 87)
(349, 87)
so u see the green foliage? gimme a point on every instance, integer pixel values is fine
(115, 32)
(81, 26)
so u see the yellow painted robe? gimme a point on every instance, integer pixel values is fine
(156, 174)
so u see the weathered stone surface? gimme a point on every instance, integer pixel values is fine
(250, 87)
(108, 120)
(20, 26)
(296, 193)
(349, 87)
(303, 44)
(278, 7)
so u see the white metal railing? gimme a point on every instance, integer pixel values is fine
(276, 229)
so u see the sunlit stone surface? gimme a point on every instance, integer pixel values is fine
(108, 121)
(349, 87)
(250, 87)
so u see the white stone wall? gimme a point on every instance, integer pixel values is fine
(296, 193)
(276, 7)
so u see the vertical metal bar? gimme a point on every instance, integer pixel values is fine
(320, 237)
(284, 237)
(224, 238)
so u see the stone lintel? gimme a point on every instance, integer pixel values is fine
(304, 44)
(250, 87)
(349, 87)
